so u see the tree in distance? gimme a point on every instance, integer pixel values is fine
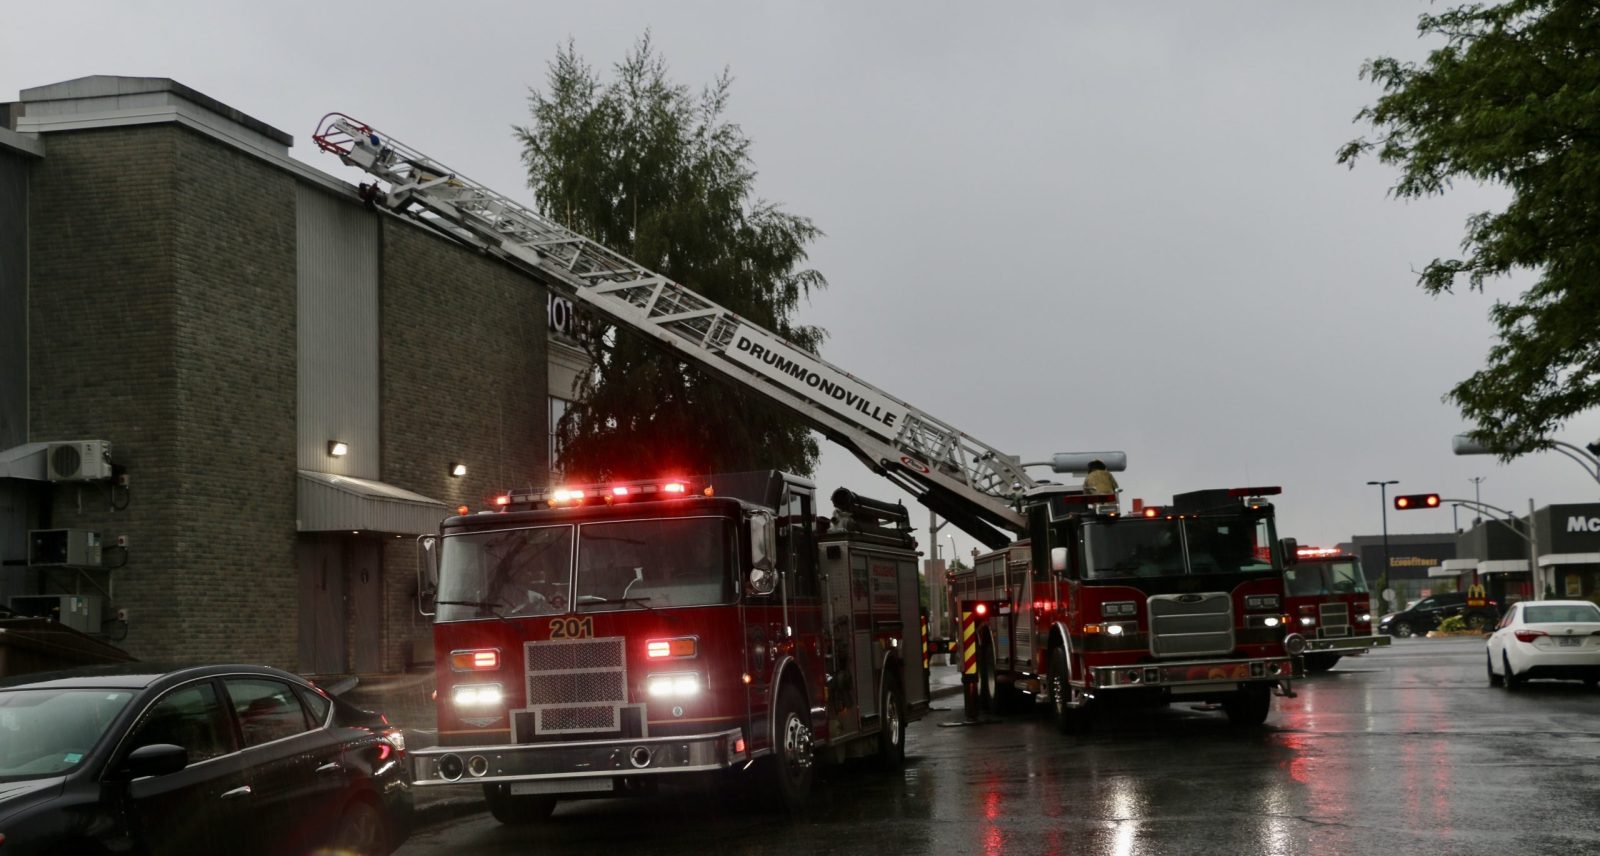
(1509, 99)
(661, 176)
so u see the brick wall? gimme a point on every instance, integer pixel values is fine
(162, 314)
(463, 379)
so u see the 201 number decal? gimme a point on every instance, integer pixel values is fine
(571, 628)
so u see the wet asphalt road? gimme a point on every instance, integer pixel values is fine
(1407, 750)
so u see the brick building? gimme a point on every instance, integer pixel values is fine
(174, 284)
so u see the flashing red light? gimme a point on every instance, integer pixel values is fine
(462, 509)
(738, 745)
(1317, 552)
(681, 647)
(674, 487)
(503, 500)
(475, 661)
(1412, 501)
(1529, 635)
(981, 609)
(1152, 511)
(619, 491)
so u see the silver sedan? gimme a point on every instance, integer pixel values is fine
(1546, 639)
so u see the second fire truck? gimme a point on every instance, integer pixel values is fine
(1180, 602)
(1328, 603)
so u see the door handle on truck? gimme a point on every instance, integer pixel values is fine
(241, 791)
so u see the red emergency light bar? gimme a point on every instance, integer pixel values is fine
(576, 495)
(1317, 552)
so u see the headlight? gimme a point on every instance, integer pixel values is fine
(477, 695)
(1113, 630)
(673, 686)
(1270, 621)
(1364, 618)
(1307, 621)
(1261, 601)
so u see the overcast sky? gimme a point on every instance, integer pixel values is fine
(1060, 227)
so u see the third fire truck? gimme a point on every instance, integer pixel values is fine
(1327, 602)
(1179, 602)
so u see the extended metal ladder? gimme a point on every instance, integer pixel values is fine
(970, 483)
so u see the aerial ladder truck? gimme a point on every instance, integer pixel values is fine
(983, 491)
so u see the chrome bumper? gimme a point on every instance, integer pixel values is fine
(567, 766)
(1347, 644)
(1192, 673)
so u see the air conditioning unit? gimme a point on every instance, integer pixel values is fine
(81, 612)
(78, 460)
(63, 548)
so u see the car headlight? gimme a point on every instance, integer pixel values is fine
(476, 695)
(679, 685)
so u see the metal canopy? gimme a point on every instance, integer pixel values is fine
(335, 503)
(24, 462)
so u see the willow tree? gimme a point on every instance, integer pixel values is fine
(656, 172)
(1511, 98)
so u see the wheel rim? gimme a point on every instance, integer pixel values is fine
(796, 746)
(1403, 630)
(892, 720)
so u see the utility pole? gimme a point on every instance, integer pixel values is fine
(1383, 503)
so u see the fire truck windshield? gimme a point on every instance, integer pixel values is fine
(1342, 576)
(629, 564)
(651, 564)
(1162, 547)
(505, 572)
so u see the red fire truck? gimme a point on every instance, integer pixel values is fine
(593, 640)
(1327, 601)
(1182, 602)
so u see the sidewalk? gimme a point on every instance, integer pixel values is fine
(407, 701)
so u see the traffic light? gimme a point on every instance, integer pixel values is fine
(1412, 501)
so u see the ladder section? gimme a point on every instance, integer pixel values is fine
(973, 484)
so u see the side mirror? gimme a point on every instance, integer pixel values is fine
(763, 554)
(1058, 559)
(156, 759)
(1291, 551)
(427, 572)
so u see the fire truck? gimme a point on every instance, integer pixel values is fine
(595, 639)
(1327, 602)
(983, 491)
(1183, 602)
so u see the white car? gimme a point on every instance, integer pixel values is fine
(1546, 639)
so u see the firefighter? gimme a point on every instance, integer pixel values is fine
(1099, 479)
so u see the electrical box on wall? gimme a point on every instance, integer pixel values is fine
(78, 460)
(81, 612)
(69, 548)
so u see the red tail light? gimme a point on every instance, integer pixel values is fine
(981, 610)
(503, 500)
(1529, 635)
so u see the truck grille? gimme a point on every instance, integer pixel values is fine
(576, 686)
(1333, 619)
(1185, 625)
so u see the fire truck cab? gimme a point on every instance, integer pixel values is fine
(1181, 602)
(1326, 599)
(590, 641)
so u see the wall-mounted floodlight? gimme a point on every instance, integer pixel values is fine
(458, 470)
(338, 448)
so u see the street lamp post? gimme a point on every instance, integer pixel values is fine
(1383, 504)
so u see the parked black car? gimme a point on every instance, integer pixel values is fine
(209, 759)
(1426, 614)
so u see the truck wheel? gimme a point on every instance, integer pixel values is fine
(1321, 662)
(790, 769)
(892, 734)
(986, 687)
(1248, 707)
(1068, 720)
(517, 810)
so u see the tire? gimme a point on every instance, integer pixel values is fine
(1401, 630)
(1321, 662)
(362, 829)
(1488, 664)
(518, 810)
(1067, 720)
(1511, 679)
(1477, 622)
(1248, 708)
(892, 730)
(791, 768)
(986, 682)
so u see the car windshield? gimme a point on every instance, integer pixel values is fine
(640, 564)
(631, 564)
(1312, 578)
(1560, 613)
(47, 732)
(1161, 547)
